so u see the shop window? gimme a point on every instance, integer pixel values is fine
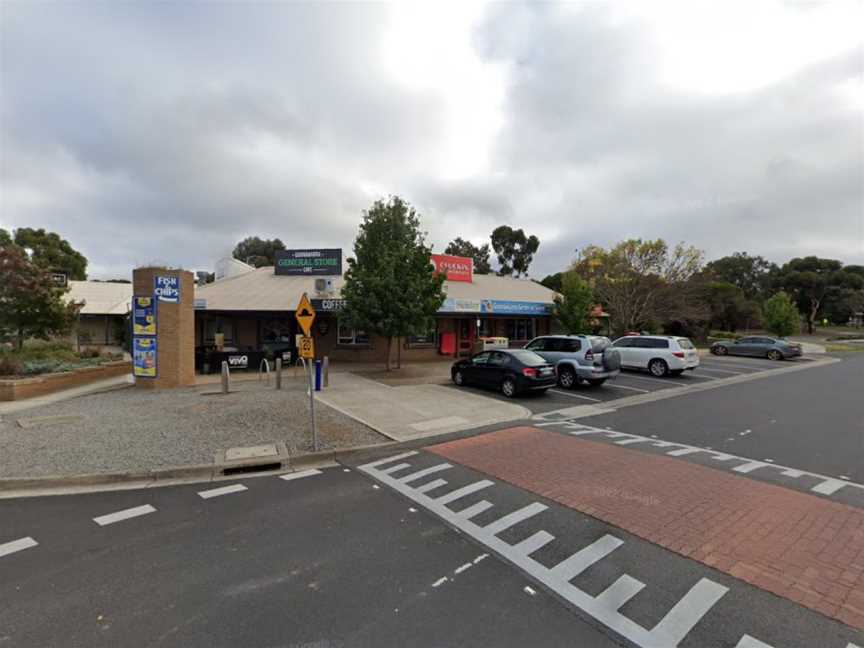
(520, 329)
(276, 330)
(219, 325)
(487, 328)
(347, 336)
(427, 339)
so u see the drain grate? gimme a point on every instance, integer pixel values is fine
(252, 468)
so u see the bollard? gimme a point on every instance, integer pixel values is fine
(326, 371)
(317, 375)
(278, 373)
(225, 377)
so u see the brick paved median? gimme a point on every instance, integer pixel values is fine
(798, 546)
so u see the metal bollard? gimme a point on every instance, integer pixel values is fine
(317, 375)
(278, 373)
(226, 373)
(326, 371)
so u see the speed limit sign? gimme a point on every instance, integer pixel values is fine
(307, 347)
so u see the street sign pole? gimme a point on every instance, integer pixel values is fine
(305, 315)
(312, 406)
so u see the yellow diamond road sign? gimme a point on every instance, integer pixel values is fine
(305, 315)
(307, 348)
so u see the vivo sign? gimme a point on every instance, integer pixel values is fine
(239, 361)
(456, 268)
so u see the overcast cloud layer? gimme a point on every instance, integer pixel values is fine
(165, 133)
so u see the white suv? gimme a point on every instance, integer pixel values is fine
(662, 355)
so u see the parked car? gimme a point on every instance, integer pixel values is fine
(758, 346)
(513, 371)
(661, 355)
(588, 358)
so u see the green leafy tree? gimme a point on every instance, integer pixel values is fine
(390, 287)
(812, 281)
(780, 315)
(50, 251)
(479, 253)
(573, 305)
(553, 281)
(31, 305)
(5, 238)
(514, 250)
(729, 307)
(258, 252)
(752, 274)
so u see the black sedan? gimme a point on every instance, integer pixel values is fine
(511, 370)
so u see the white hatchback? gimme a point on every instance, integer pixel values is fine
(661, 355)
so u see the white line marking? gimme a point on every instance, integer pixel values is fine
(791, 472)
(629, 441)
(655, 380)
(582, 432)
(851, 645)
(584, 558)
(404, 455)
(532, 544)
(462, 492)
(225, 490)
(687, 612)
(636, 389)
(729, 371)
(721, 456)
(749, 642)
(301, 474)
(619, 592)
(750, 466)
(440, 581)
(411, 509)
(480, 557)
(126, 514)
(389, 470)
(16, 545)
(514, 518)
(529, 590)
(829, 486)
(563, 393)
(420, 474)
(614, 620)
(437, 483)
(375, 486)
(462, 568)
(346, 470)
(475, 509)
(684, 451)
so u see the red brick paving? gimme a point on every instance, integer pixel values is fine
(798, 546)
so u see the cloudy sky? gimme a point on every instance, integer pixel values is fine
(166, 132)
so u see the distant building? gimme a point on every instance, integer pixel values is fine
(102, 318)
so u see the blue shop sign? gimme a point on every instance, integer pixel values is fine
(166, 289)
(506, 307)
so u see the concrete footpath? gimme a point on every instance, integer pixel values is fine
(409, 412)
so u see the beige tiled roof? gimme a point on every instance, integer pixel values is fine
(261, 290)
(100, 297)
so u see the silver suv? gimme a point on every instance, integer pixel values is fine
(589, 358)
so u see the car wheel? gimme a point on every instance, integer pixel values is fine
(720, 350)
(658, 368)
(774, 354)
(596, 382)
(508, 387)
(458, 378)
(567, 378)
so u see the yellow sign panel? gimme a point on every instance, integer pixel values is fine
(305, 315)
(307, 347)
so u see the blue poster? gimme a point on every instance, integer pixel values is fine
(166, 289)
(506, 307)
(143, 316)
(144, 357)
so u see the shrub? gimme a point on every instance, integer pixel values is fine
(92, 352)
(725, 335)
(10, 365)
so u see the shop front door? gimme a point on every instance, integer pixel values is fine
(467, 335)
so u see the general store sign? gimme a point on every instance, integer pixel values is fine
(309, 262)
(456, 268)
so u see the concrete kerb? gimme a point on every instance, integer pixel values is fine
(582, 411)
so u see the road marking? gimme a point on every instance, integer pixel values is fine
(749, 642)
(677, 623)
(420, 474)
(480, 557)
(462, 492)
(462, 568)
(563, 393)
(514, 518)
(17, 545)
(404, 455)
(618, 593)
(636, 389)
(225, 490)
(396, 468)
(529, 590)
(475, 509)
(728, 371)
(684, 451)
(301, 474)
(750, 466)
(119, 516)
(629, 441)
(532, 544)
(656, 380)
(440, 581)
(829, 486)
(724, 363)
(580, 561)
(437, 483)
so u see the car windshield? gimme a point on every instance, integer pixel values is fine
(527, 357)
(684, 343)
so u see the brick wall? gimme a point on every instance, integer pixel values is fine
(21, 388)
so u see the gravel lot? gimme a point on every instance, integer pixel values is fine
(141, 430)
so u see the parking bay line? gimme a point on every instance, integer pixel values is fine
(636, 389)
(722, 371)
(224, 490)
(126, 514)
(593, 400)
(301, 474)
(670, 630)
(662, 381)
(15, 546)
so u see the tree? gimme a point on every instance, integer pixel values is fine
(480, 254)
(31, 305)
(729, 307)
(5, 238)
(780, 315)
(810, 281)
(752, 274)
(51, 252)
(390, 287)
(573, 305)
(553, 281)
(515, 251)
(258, 252)
(642, 283)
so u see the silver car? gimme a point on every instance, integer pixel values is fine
(588, 358)
(758, 346)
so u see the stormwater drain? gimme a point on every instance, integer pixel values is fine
(251, 468)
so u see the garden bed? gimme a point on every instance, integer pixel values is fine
(15, 388)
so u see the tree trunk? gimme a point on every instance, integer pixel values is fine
(389, 348)
(20, 339)
(399, 353)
